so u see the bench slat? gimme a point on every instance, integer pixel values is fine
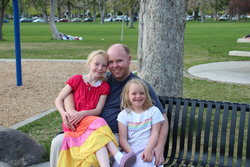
(199, 133)
(223, 135)
(232, 135)
(182, 141)
(248, 142)
(207, 134)
(241, 134)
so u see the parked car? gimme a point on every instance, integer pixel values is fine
(208, 16)
(6, 21)
(55, 19)
(121, 17)
(223, 18)
(34, 17)
(109, 19)
(235, 18)
(25, 20)
(76, 20)
(63, 20)
(189, 18)
(243, 16)
(88, 19)
(38, 20)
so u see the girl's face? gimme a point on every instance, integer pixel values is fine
(136, 96)
(98, 66)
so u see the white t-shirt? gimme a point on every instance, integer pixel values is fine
(139, 125)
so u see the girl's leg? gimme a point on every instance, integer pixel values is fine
(126, 160)
(103, 157)
(112, 148)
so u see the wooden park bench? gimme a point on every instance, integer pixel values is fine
(207, 133)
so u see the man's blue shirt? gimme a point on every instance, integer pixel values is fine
(112, 107)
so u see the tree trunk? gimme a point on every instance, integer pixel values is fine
(59, 9)
(69, 11)
(3, 6)
(45, 16)
(160, 45)
(102, 8)
(132, 13)
(122, 30)
(59, 13)
(1, 24)
(94, 10)
(53, 28)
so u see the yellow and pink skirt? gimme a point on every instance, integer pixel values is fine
(79, 147)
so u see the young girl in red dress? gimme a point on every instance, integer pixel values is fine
(88, 138)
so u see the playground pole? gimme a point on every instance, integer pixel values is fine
(17, 43)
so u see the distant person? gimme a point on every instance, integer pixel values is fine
(139, 123)
(88, 138)
(119, 59)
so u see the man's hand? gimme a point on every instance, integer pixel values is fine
(158, 153)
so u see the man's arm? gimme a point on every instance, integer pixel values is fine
(159, 148)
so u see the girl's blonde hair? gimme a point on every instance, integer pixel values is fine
(125, 102)
(95, 53)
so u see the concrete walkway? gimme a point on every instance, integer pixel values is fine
(230, 72)
(239, 53)
(44, 164)
(243, 40)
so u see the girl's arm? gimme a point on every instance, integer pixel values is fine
(78, 116)
(159, 148)
(123, 137)
(60, 106)
(69, 104)
(148, 152)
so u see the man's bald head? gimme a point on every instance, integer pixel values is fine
(119, 61)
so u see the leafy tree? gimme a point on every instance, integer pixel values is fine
(94, 4)
(219, 5)
(59, 8)
(133, 9)
(42, 6)
(3, 6)
(102, 9)
(70, 4)
(239, 6)
(130, 7)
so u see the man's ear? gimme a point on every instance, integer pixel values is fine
(129, 58)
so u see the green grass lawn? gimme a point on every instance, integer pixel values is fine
(36, 40)
(204, 43)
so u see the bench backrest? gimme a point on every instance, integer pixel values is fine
(209, 133)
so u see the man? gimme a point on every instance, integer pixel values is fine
(119, 61)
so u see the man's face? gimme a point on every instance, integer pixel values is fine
(119, 63)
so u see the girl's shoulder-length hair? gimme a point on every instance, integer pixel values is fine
(125, 102)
